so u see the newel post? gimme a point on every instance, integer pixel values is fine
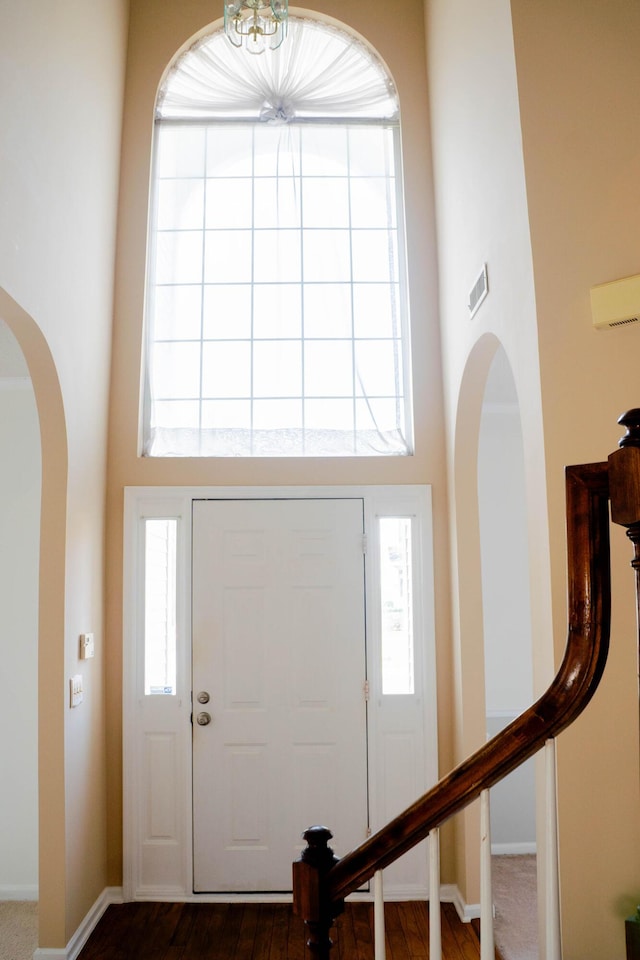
(624, 487)
(310, 897)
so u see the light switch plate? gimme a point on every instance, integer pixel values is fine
(87, 646)
(75, 688)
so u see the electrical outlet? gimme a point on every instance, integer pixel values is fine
(87, 646)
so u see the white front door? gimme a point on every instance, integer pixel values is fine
(278, 621)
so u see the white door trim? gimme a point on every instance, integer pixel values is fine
(157, 731)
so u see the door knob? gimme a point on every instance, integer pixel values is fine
(203, 718)
(203, 697)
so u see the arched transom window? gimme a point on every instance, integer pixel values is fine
(276, 306)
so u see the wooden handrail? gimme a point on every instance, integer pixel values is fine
(321, 882)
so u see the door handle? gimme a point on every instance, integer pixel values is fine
(203, 718)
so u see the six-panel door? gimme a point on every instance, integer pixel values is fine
(279, 665)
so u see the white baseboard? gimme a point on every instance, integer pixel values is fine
(512, 849)
(450, 893)
(25, 891)
(76, 943)
(161, 895)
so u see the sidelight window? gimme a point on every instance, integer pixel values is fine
(160, 569)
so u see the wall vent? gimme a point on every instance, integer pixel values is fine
(619, 323)
(478, 291)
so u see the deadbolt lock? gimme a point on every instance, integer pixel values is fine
(203, 697)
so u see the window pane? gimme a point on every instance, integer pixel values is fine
(379, 416)
(329, 414)
(178, 257)
(277, 414)
(229, 151)
(276, 202)
(373, 202)
(176, 370)
(277, 150)
(327, 310)
(181, 151)
(277, 368)
(327, 255)
(176, 312)
(181, 414)
(226, 413)
(374, 255)
(325, 202)
(371, 151)
(180, 204)
(160, 606)
(228, 256)
(228, 203)
(226, 370)
(277, 311)
(396, 616)
(376, 310)
(276, 256)
(378, 366)
(324, 151)
(328, 369)
(227, 312)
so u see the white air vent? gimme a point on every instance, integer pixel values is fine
(617, 303)
(478, 291)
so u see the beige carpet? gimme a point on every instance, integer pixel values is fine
(516, 912)
(18, 929)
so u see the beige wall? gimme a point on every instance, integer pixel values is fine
(539, 119)
(578, 76)
(481, 212)
(61, 72)
(158, 29)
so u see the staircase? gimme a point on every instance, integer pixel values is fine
(321, 881)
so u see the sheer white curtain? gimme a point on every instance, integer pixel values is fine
(318, 72)
(276, 306)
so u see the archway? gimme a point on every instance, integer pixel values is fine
(50, 630)
(494, 645)
(20, 487)
(508, 661)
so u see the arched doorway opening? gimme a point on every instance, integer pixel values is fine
(47, 677)
(507, 629)
(20, 491)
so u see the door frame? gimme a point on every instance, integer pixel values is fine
(157, 788)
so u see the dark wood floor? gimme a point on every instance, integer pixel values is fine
(206, 931)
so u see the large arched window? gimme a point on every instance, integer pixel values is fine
(276, 303)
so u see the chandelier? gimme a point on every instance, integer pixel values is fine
(257, 23)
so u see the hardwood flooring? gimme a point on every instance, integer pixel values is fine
(252, 931)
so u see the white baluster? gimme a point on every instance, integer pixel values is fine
(435, 933)
(487, 947)
(379, 947)
(553, 943)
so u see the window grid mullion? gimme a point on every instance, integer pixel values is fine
(252, 294)
(394, 273)
(202, 288)
(303, 341)
(352, 300)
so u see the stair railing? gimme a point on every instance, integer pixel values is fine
(321, 881)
